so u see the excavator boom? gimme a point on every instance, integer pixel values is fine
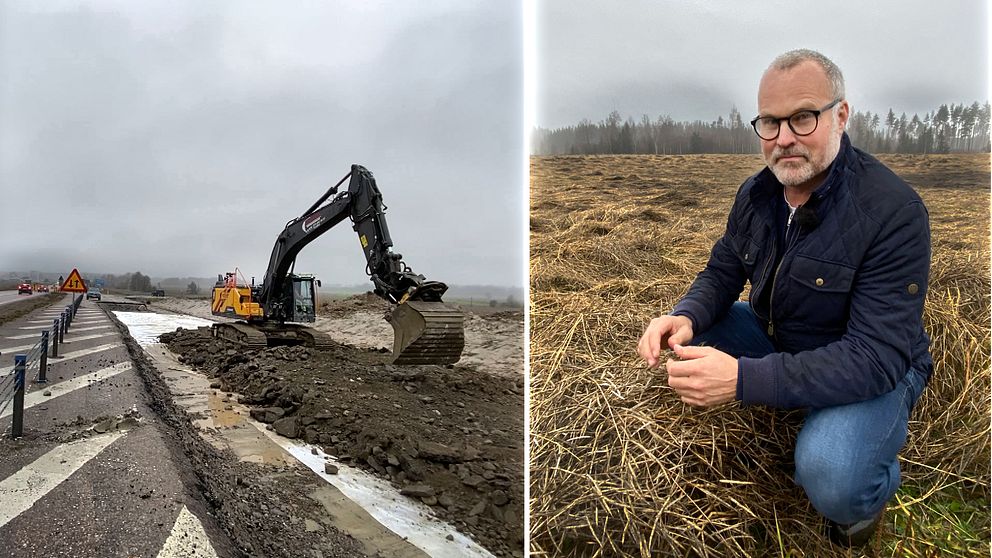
(426, 330)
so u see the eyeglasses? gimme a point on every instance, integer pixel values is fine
(802, 123)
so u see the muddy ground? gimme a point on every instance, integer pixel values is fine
(449, 436)
(494, 340)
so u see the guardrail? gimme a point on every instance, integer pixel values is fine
(34, 363)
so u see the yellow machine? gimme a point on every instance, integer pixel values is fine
(233, 300)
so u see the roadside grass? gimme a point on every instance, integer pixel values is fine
(19, 308)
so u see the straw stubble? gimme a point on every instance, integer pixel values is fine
(619, 466)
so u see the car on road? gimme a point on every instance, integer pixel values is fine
(158, 292)
(93, 293)
(24, 288)
(42, 288)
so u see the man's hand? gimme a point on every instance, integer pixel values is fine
(666, 330)
(704, 377)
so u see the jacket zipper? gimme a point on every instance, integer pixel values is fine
(771, 295)
(764, 272)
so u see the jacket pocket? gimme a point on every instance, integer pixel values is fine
(747, 251)
(822, 276)
(820, 294)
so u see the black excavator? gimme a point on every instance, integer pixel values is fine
(426, 330)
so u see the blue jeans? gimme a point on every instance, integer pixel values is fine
(846, 455)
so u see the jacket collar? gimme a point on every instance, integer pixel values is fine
(767, 189)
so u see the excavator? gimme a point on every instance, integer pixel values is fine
(426, 330)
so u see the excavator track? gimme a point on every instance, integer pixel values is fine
(259, 336)
(240, 333)
(427, 333)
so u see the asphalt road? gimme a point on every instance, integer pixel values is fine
(95, 473)
(6, 297)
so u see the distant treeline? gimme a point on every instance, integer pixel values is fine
(949, 129)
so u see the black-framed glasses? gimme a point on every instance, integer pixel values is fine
(802, 123)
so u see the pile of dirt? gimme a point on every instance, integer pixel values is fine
(451, 437)
(367, 302)
(494, 342)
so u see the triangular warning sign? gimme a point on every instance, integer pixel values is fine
(74, 283)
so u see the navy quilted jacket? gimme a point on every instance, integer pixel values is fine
(846, 301)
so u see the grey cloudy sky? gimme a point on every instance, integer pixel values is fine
(696, 59)
(178, 138)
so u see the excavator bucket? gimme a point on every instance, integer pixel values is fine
(427, 333)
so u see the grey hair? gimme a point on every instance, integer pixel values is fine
(795, 57)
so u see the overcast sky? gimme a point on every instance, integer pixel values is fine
(177, 138)
(696, 59)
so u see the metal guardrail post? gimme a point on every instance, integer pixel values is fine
(43, 363)
(62, 328)
(17, 427)
(68, 317)
(55, 338)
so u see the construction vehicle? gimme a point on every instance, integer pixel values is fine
(426, 330)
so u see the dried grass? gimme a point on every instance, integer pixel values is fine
(620, 467)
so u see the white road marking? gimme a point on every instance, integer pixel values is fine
(69, 356)
(55, 313)
(69, 338)
(75, 329)
(188, 539)
(78, 316)
(11, 351)
(20, 491)
(68, 386)
(38, 333)
(49, 322)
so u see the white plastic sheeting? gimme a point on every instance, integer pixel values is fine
(145, 327)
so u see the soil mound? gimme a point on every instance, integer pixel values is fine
(451, 437)
(367, 302)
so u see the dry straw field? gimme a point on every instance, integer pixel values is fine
(620, 467)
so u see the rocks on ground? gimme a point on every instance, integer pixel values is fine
(451, 437)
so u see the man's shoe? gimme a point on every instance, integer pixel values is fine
(857, 534)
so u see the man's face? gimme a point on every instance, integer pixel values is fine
(800, 160)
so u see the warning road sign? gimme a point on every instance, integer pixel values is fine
(74, 283)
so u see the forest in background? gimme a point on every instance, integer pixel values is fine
(948, 129)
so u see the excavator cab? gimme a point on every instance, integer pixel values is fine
(302, 297)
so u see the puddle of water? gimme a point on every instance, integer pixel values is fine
(222, 411)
